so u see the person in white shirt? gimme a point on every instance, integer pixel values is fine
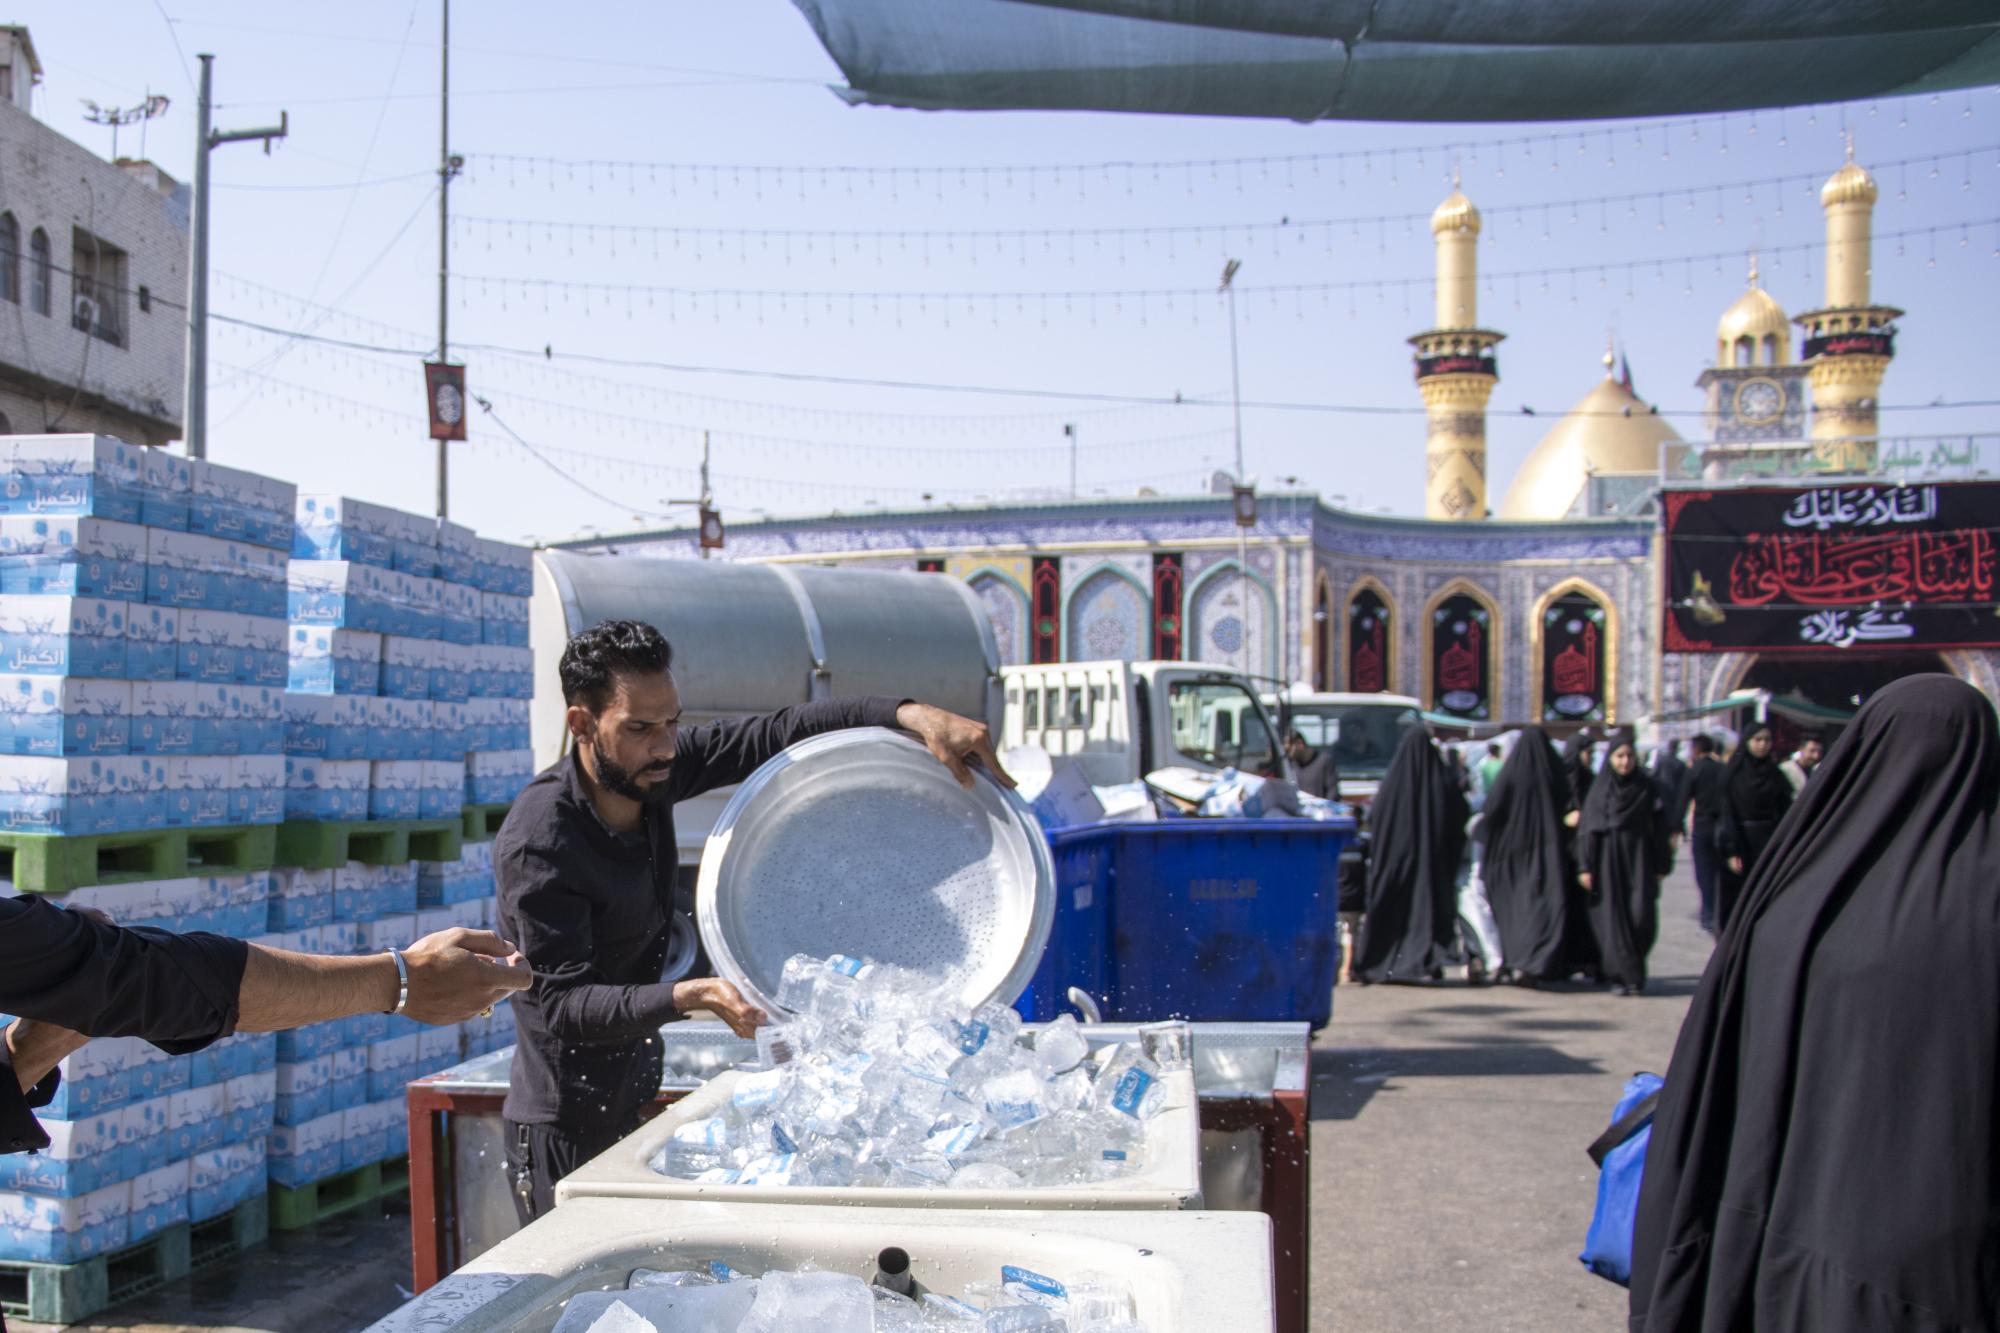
(1801, 765)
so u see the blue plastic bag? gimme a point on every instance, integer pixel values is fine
(1620, 1153)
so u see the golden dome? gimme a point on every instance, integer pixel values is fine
(1756, 315)
(1850, 185)
(1611, 430)
(1456, 213)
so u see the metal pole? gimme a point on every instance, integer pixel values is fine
(444, 237)
(1235, 383)
(195, 396)
(1070, 430)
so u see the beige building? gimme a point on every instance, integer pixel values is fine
(93, 278)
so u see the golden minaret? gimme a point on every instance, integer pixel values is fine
(1456, 369)
(1849, 341)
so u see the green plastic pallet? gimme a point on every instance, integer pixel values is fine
(293, 1207)
(220, 1239)
(66, 1293)
(482, 822)
(55, 863)
(328, 845)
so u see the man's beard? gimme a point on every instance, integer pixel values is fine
(617, 778)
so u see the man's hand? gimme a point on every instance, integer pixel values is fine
(457, 973)
(1735, 865)
(1584, 879)
(35, 1048)
(954, 740)
(722, 999)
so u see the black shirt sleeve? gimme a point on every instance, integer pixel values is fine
(177, 991)
(721, 754)
(551, 923)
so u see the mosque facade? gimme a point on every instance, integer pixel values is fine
(1591, 595)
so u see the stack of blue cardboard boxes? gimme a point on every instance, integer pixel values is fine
(188, 645)
(142, 639)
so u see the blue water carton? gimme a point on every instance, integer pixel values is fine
(257, 789)
(242, 899)
(152, 642)
(234, 647)
(198, 791)
(503, 619)
(300, 898)
(80, 796)
(452, 667)
(145, 1143)
(457, 552)
(259, 714)
(250, 1106)
(195, 1119)
(333, 527)
(450, 734)
(458, 612)
(163, 716)
(300, 1154)
(496, 777)
(166, 489)
(394, 789)
(241, 506)
(500, 672)
(414, 545)
(224, 1177)
(407, 666)
(328, 726)
(83, 1156)
(392, 1063)
(72, 555)
(325, 660)
(63, 636)
(441, 789)
(505, 568)
(64, 715)
(329, 790)
(37, 1228)
(344, 594)
(71, 474)
(348, 1086)
(365, 1134)
(410, 723)
(159, 1201)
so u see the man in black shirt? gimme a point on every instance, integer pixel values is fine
(72, 975)
(586, 868)
(1702, 790)
(1314, 771)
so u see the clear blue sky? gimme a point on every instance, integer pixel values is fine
(743, 84)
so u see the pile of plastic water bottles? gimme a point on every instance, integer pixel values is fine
(882, 1076)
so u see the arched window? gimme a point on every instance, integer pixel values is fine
(1746, 351)
(1461, 658)
(1369, 643)
(38, 272)
(1045, 594)
(10, 259)
(1576, 650)
(1770, 349)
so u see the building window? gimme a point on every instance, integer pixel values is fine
(39, 271)
(10, 259)
(145, 299)
(1770, 349)
(97, 305)
(927, 564)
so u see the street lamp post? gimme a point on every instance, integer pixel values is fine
(1228, 288)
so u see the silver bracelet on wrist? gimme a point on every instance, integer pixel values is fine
(402, 981)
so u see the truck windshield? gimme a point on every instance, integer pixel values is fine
(1220, 724)
(1364, 737)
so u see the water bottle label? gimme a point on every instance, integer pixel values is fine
(1131, 1090)
(1033, 1287)
(782, 1141)
(759, 1089)
(850, 967)
(722, 1272)
(709, 1133)
(718, 1175)
(951, 1140)
(1114, 1154)
(972, 1036)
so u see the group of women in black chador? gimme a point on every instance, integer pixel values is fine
(1574, 856)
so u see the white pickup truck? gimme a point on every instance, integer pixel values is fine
(1122, 720)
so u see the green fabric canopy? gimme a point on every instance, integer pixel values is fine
(1405, 60)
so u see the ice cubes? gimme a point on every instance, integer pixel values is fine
(823, 1302)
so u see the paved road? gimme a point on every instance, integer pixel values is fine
(1450, 1185)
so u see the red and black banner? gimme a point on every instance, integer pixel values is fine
(1368, 643)
(1575, 653)
(444, 387)
(1869, 567)
(1461, 663)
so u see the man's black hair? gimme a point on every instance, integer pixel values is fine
(1493, 747)
(1704, 744)
(1295, 735)
(617, 647)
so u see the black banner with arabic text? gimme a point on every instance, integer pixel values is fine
(1858, 567)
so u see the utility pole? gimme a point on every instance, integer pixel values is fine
(1228, 289)
(1069, 430)
(448, 166)
(195, 405)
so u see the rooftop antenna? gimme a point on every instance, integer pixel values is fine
(116, 116)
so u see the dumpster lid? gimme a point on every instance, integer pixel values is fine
(861, 843)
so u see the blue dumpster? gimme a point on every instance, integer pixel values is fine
(1214, 920)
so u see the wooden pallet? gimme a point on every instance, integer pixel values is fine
(66, 1293)
(330, 844)
(303, 1205)
(482, 822)
(53, 863)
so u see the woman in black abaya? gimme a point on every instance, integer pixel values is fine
(1418, 818)
(1826, 1154)
(1755, 795)
(1526, 866)
(1623, 851)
